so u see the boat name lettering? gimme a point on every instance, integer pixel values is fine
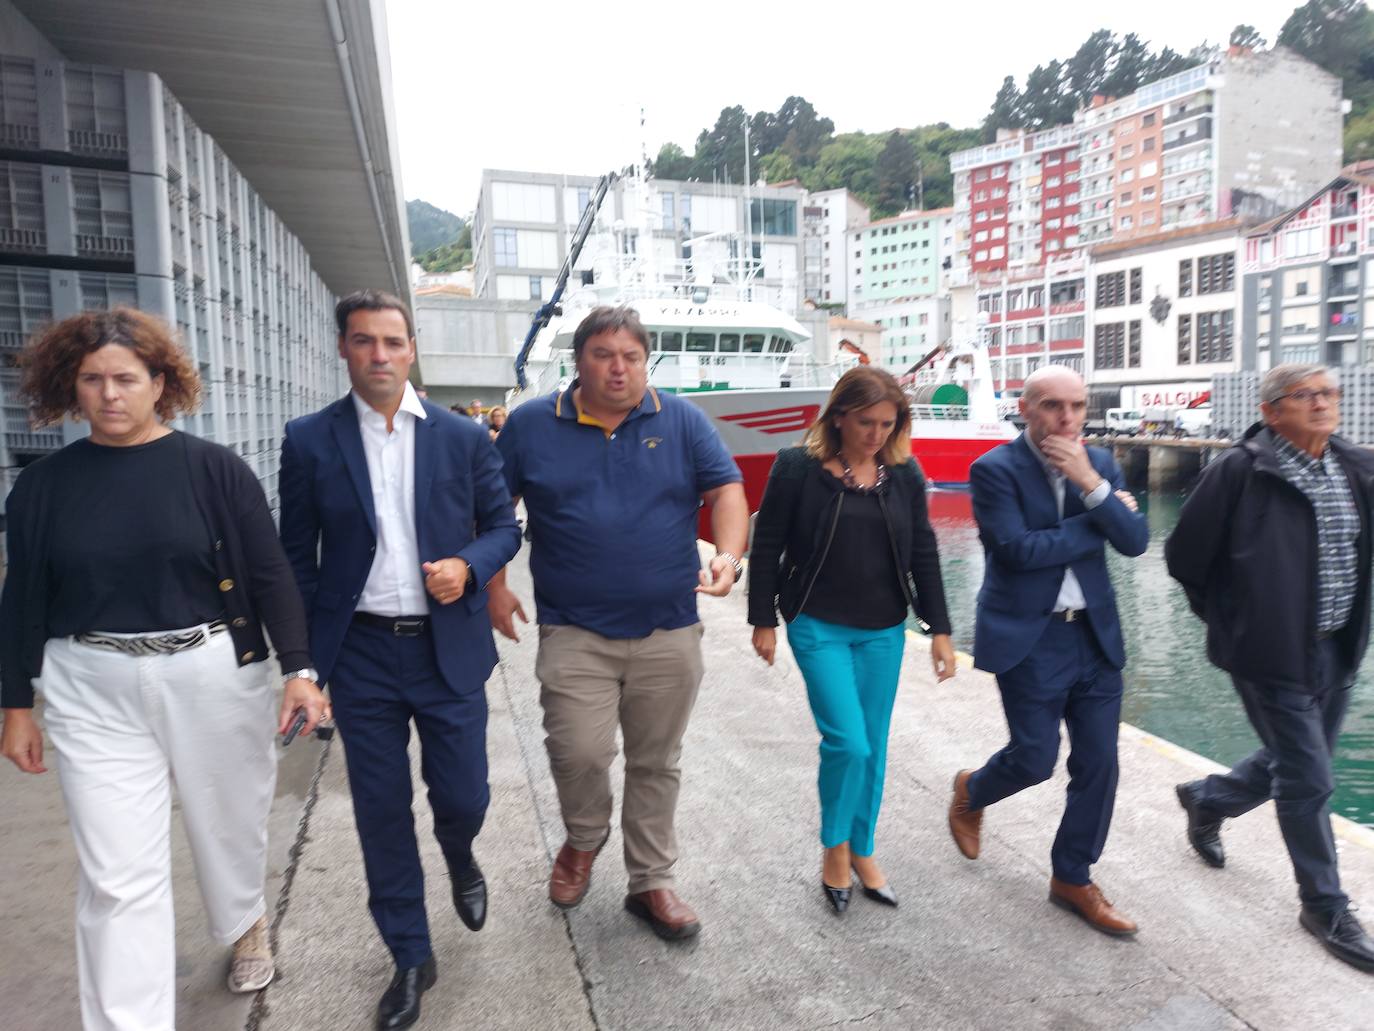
(701, 311)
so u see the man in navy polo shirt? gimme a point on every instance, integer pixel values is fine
(612, 474)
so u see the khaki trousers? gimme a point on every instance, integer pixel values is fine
(648, 686)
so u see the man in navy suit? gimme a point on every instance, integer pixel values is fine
(395, 514)
(1047, 626)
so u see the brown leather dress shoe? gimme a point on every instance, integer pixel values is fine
(572, 873)
(1088, 902)
(670, 917)
(966, 825)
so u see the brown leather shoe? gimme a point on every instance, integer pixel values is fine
(966, 825)
(572, 873)
(670, 917)
(1088, 902)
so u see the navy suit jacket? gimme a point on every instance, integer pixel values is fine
(329, 528)
(1028, 547)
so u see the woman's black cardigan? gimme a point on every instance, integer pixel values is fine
(255, 579)
(794, 522)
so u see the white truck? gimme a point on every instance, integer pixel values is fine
(1123, 420)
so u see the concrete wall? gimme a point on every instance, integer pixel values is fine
(467, 346)
(1278, 127)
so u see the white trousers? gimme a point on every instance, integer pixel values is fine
(124, 728)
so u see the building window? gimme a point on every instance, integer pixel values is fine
(1111, 290)
(1185, 278)
(1214, 331)
(1147, 120)
(1109, 346)
(1133, 345)
(773, 217)
(1147, 193)
(536, 288)
(1147, 218)
(1216, 274)
(667, 199)
(1147, 145)
(1136, 280)
(1126, 222)
(1185, 339)
(504, 248)
(1127, 151)
(1127, 198)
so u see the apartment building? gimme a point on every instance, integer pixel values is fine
(1246, 132)
(912, 327)
(828, 217)
(1307, 279)
(899, 257)
(1031, 318)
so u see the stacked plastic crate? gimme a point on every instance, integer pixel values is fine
(211, 257)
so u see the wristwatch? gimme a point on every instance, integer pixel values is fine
(736, 563)
(301, 674)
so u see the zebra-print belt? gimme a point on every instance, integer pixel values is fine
(154, 644)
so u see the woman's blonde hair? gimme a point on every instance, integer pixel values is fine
(860, 388)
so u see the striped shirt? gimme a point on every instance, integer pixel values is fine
(1323, 482)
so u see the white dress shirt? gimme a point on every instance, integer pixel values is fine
(1070, 590)
(396, 583)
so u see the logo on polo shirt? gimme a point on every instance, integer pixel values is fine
(652, 442)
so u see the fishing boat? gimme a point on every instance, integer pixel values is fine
(719, 337)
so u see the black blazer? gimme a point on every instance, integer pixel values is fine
(791, 539)
(1245, 551)
(248, 559)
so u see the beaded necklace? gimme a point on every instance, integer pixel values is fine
(852, 483)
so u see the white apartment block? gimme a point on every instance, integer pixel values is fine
(1245, 133)
(827, 218)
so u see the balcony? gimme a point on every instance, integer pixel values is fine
(1187, 113)
(1348, 209)
(1343, 285)
(1193, 163)
(1344, 321)
(1202, 134)
(1181, 191)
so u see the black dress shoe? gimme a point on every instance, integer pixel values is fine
(838, 897)
(470, 896)
(1204, 835)
(400, 1005)
(1342, 936)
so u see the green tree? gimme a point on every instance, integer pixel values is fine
(1359, 137)
(1130, 67)
(1247, 36)
(671, 163)
(1165, 63)
(1085, 72)
(1006, 111)
(720, 150)
(895, 172)
(848, 160)
(934, 144)
(777, 167)
(449, 257)
(1044, 101)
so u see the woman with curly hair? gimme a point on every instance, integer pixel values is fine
(143, 565)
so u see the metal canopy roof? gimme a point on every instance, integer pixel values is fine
(266, 79)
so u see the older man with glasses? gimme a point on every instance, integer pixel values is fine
(1273, 551)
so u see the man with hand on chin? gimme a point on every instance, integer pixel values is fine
(1047, 626)
(613, 474)
(395, 515)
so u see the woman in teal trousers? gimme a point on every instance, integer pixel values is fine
(843, 548)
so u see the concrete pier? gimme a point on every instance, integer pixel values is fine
(973, 945)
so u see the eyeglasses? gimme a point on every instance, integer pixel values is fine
(1307, 397)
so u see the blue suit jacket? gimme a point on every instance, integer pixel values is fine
(329, 528)
(1028, 547)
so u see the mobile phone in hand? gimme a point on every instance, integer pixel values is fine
(294, 729)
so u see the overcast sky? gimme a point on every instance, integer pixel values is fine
(557, 87)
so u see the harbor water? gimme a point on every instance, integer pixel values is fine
(1172, 691)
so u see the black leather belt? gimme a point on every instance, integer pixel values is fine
(1069, 615)
(401, 626)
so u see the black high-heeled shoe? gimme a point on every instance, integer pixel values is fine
(884, 895)
(838, 897)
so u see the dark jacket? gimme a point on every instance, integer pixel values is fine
(255, 579)
(1245, 551)
(329, 528)
(1028, 547)
(792, 537)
